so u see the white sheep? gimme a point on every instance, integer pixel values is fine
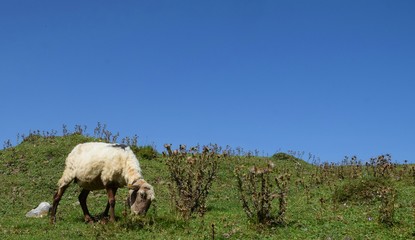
(97, 165)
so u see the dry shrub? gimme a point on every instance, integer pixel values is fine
(382, 165)
(191, 173)
(387, 197)
(257, 193)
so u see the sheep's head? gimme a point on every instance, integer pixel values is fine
(140, 196)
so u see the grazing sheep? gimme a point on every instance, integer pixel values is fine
(107, 166)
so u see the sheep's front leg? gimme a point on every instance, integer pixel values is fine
(105, 213)
(111, 191)
(56, 199)
(82, 200)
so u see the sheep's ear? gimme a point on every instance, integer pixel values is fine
(132, 198)
(133, 187)
(136, 184)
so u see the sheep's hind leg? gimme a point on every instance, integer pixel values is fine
(82, 200)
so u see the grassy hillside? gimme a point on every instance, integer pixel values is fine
(323, 202)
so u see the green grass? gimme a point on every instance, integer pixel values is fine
(29, 173)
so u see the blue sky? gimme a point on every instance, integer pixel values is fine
(334, 78)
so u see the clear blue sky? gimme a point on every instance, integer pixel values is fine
(333, 78)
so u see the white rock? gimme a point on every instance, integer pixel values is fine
(41, 210)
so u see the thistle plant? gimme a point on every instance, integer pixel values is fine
(191, 175)
(257, 194)
(381, 165)
(387, 196)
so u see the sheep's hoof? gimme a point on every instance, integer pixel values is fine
(104, 220)
(101, 216)
(89, 220)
